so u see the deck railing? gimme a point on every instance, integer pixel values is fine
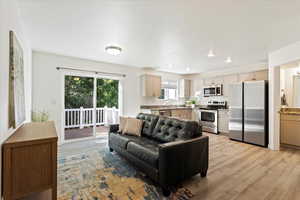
(83, 117)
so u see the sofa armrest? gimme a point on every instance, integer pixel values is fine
(182, 159)
(113, 128)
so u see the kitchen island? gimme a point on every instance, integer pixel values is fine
(180, 111)
(188, 113)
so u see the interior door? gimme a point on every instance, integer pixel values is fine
(254, 112)
(236, 111)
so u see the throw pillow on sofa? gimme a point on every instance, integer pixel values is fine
(133, 126)
(123, 121)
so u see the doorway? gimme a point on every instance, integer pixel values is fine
(91, 103)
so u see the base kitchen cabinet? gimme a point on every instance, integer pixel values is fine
(182, 113)
(289, 130)
(223, 121)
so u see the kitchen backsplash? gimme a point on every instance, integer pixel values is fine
(156, 101)
(200, 100)
(205, 100)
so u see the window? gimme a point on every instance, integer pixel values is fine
(169, 90)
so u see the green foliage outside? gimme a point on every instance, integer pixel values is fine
(107, 93)
(79, 92)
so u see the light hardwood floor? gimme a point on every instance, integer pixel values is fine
(242, 171)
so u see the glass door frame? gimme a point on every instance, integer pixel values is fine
(95, 76)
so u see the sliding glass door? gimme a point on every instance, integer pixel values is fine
(79, 106)
(107, 110)
(90, 105)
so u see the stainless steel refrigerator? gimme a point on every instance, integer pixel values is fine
(248, 108)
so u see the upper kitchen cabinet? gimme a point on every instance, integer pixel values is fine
(247, 77)
(261, 75)
(213, 81)
(185, 88)
(151, 85)
(254, 76)
(229, 79)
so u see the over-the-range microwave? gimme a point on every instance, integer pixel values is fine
(213, 91)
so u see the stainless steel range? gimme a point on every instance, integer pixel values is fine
(209, 120)
(208, 117)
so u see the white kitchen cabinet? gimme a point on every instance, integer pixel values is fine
(197, 85)
(206, 82)
(184, 88)
(229, 79)
(218, 80)
(195, 115)
(223, 121)
(151, 85)
(213, 81)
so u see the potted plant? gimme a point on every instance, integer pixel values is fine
(40, 116)
(193, 102)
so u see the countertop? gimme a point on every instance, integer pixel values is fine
(174, 107)
(167, 107)
(159, 106)
(289, 111)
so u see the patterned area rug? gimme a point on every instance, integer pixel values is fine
(101, 175)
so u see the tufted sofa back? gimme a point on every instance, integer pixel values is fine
(170, 129)
(165, 129)
(149, 123)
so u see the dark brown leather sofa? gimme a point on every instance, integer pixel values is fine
(169, 150)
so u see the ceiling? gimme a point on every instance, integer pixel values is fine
(170, 35)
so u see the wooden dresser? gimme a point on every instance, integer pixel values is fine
(29, 162)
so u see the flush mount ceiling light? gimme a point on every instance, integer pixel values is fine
(211, 54)
(113, 50)
(228, 60)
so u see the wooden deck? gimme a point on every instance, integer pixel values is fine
(76, 133)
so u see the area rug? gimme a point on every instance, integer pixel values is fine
(101, 175)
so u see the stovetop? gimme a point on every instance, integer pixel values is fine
(212, 107)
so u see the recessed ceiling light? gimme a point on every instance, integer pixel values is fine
(188, 69)
(113, 50)
(211, 54)
(228, 60)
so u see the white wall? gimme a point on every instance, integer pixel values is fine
(48, 83)
(290, 53)
(287, 81)
(285, 55)
(274, 107)
(10, 20)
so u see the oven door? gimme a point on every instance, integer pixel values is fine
(207, 116)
